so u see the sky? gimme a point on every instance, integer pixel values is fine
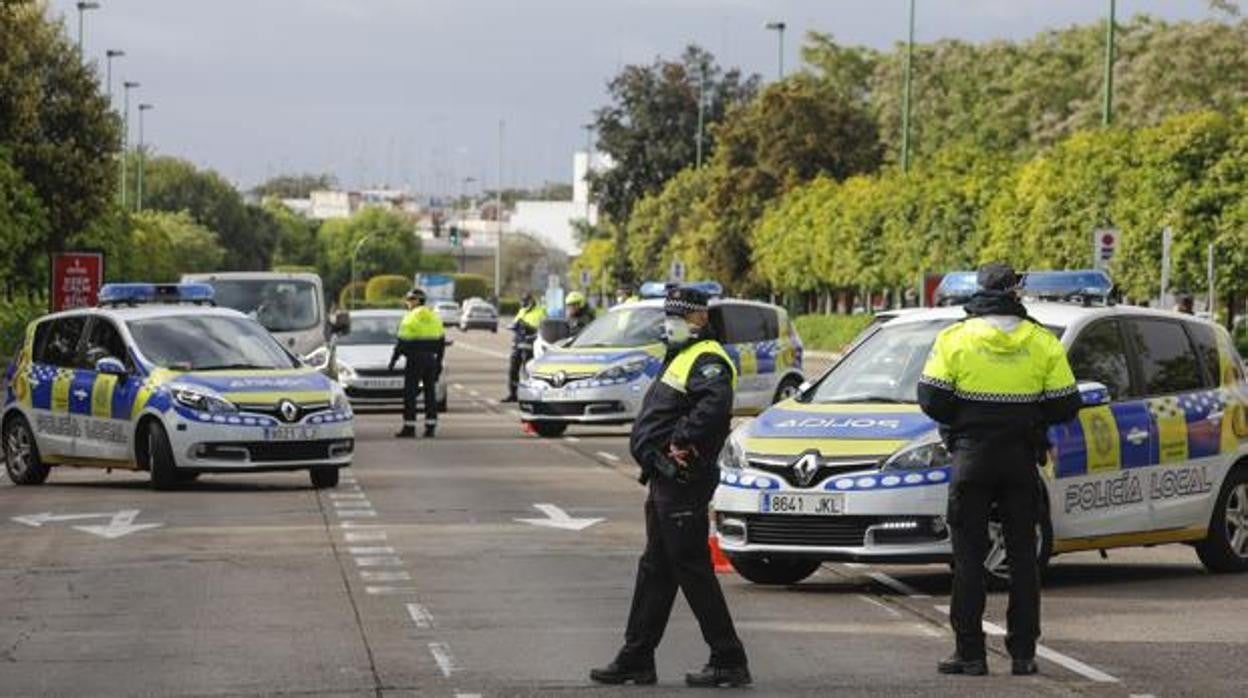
(410, 93)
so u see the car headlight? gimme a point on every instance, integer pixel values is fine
(629, 370)
(345, 370)
(338, 399)
(732, 456)
(927, 452)
(201, 401)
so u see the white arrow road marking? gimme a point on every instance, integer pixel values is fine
(121, 523)
(558, 518)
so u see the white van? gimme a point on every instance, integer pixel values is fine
(291, 306)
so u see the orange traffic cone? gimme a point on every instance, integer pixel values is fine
(528, 428)
(718, 558)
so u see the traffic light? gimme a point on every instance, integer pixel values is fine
(454, 236)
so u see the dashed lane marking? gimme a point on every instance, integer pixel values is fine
(442, 655)
(371, 550)
(897, 585)
(357, 524)
(348, 495)
(457, 386)
(356, 513)
(364, 536)
(420, 616)
(493, 402)
(385, 576)
(881, 605)
(379, 561)
(609, 456)
(389, 591)
(572, 439)
(352, 504)
(481, 350)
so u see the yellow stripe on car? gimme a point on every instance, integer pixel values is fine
(1119, 540)
(102, 395)
(60, 391)
(847, 408)
(828, 448)
(301, 397)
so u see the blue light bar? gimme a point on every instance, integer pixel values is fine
(956, 286)
(1079, 284)
(140, 293)
(658, 289)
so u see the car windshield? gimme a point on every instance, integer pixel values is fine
(208, 342)
(625, 327)
(371, 330)
(281, 305)
(884, 367)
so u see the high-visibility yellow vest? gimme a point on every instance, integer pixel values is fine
(532, 317)
(677, 374)
(421, 323)
(979, 362)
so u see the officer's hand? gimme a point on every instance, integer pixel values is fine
(682, 456)
(672, 470)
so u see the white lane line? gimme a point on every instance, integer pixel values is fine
(385, 576)
(379, 561)
(493, 402)
(474, 393)
(457, 386)
(1088, 672)
(856, 565)
(880, 604)
(478, 695)
(371, 550)
(353, 504)
(897, 585)
(481, 350)
(389, 591)
(928, 630)
(1142, 695)
(609, 456)
(420, 616)
(442, 655)
(357, 524)
(356, 513)
(347, 495)
(365, 536)
(572, 439)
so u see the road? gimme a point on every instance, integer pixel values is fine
(415, 578)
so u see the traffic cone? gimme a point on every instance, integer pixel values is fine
(528, 428)
(718, 559)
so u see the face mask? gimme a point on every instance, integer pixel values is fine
(676, 331)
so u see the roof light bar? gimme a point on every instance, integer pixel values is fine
(144, 293)
(658, 289)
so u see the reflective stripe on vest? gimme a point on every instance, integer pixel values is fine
(421, 323)
(677, 374)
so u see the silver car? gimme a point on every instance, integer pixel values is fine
(363, 358)
(448, 312)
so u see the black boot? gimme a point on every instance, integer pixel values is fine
(956, 664)
(509, 398)
(716, 676)
(617, 673)
(1023, 667)
(429, 430)
(407, 432)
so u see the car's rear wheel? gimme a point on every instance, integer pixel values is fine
(21, 454)
(323, 478)
(788, 388)
(1225, 548)
(763, 569)
(549, 430)
(160, 460)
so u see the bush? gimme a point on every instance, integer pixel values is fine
(15, 313)
(1241, 339)
(344, 296)
(508, 306)
(386, 287)
(294, 269)
(470, 286)
(829, 332)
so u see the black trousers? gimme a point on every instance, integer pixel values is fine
(1014, 487)
(677, 557)
(418, 375)
(518, 358)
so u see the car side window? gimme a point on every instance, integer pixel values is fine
(103, 340)
(1206, 339)
(743, 324)
(1167, 359)
(61, 346)
(1098, 354)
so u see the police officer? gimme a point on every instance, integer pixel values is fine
(524, 331)
(995, 382)
(421, 342)
(624, 294)
(578, 312)
(683, 423)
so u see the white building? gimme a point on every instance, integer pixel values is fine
(552, 220)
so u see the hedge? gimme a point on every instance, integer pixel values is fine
(470, 286)
(829, 332)
(385, 287)
(15, 313)
(344, 296)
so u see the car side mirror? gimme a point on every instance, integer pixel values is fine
(110, 366)
(341, 324)
(1094, 394)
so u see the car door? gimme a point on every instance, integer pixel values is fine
(744, 327)
(106, 397)
(1097, 487)
(52, 372)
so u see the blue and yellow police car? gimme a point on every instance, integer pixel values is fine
(851, 469)
(158, 379)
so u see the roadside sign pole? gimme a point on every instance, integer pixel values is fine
(1167, 237)
(1212, 295)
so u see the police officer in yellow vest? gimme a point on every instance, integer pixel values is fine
(421, 343)
(995, 382)
(524, 332)
(683, 423)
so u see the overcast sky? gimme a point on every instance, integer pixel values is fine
(410, 92)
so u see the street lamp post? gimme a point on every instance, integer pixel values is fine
(355, 251)
(589, 163)
(82, 9)
(498, 220)
(701, 110)
(109, 55)
(1107, 113)
(905, 97)
(142, 157)
(125, 135)
(778, 27)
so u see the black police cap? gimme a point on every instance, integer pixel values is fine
(997, 277)
(683, 300)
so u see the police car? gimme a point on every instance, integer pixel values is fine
(601, 375)
(851, 469)
(157, 379)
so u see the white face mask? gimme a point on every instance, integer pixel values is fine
(676, 331)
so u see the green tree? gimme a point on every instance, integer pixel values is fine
(391, 247)
(164, 246)
(664, 227)
(294, 186)
(296, 240)
(23, 231)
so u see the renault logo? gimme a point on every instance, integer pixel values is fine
(806, 467)
(288, 409)
(559, 379)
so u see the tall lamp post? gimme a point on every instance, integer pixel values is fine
(127, 85)
(905, 97)
(1107, 113)
(778, 27)
(701, 111)
(142, 157)
(355, 251)
(498, 220)
(109, 55)
(589, 163)
(82, 10)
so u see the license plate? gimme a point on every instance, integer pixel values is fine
(555, 394)
(290, 433)
(810, 504)
(381, 383)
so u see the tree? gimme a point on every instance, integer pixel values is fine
(391, 247)
(294, 186)
(164, 246)
(296, 238)
(23, 230)
(664, 227)
(57, 127)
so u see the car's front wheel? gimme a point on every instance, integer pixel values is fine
(763, 569)
(21, 454)
(549, 430)
(160, 460)
(1225, 548)
(323, 478)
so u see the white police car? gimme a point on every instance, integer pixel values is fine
(851, 469)
(156, 379)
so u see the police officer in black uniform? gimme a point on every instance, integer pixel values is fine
(421, 341)
(523, 333)
(683, 423)
(996, 381)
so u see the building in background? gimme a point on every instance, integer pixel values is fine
(553, 221)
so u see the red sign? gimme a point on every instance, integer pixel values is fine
(930, 282)
(76, 279)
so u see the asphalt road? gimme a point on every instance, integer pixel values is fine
(415, 578)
